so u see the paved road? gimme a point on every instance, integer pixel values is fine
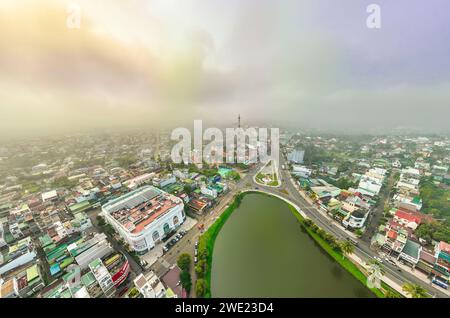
(288, 191)
(376, 214)
(362, 250)
(187, 243)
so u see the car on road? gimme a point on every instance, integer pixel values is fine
(390, 261)
(179, 236)
(196, 244)
(173, 241)
(440, 283)
(196, 252)
(353, 241)
(379, 260)
(195, 260)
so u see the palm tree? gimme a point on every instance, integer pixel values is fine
(375, 271)
(391, 294)
(347, 248)
(415, 291)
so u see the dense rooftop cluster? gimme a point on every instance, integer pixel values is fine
(51, 194)
(392, 191)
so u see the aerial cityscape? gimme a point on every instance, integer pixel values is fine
(211, 149)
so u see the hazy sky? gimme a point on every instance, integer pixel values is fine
(305, 63)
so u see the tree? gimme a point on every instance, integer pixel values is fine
(344, 166)
(64, 182)
(126, 161)
(200, 268)
(233, 175)
(391, 294)
(343, 183)
(188, 189)
(328, 237)
(108, 229)
(200, 287)
(186, 282)
(415, 291)
(202, 252)
(199, 271)
(184, 262)
(439, 231)
(321, 232)
(375, 274)
(100, 220)
(347, 248)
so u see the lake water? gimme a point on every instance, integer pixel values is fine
(262, 251)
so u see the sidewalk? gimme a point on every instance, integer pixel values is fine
(151, 256)
(384, 278)
(421, 276)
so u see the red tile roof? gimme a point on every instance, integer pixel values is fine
(394, 225)
(410, 217)
(392, 234)
(443, 246)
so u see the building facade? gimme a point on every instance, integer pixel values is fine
(144, 216)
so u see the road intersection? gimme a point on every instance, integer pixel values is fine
(288, 191)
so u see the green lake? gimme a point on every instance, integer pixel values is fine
(262, 251)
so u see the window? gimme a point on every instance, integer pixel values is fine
(166, 228)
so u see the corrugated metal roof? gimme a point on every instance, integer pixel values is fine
(32, 273)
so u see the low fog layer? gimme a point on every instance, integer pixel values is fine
(136, 63)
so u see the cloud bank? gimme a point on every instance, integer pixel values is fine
(139, 63)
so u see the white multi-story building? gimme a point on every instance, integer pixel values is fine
(376, 173)
(410, 173)
(150, 286)
(144, 216)
(2, 236)
(139, 180)
(17, 255)
(369, 187)
(49, 196)
(356, 219)
(296, 156)
(371, 182)
(301, 171)
(102, 276)
(209, 191)
(181, 174)
(408, 202)
(164, 181)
